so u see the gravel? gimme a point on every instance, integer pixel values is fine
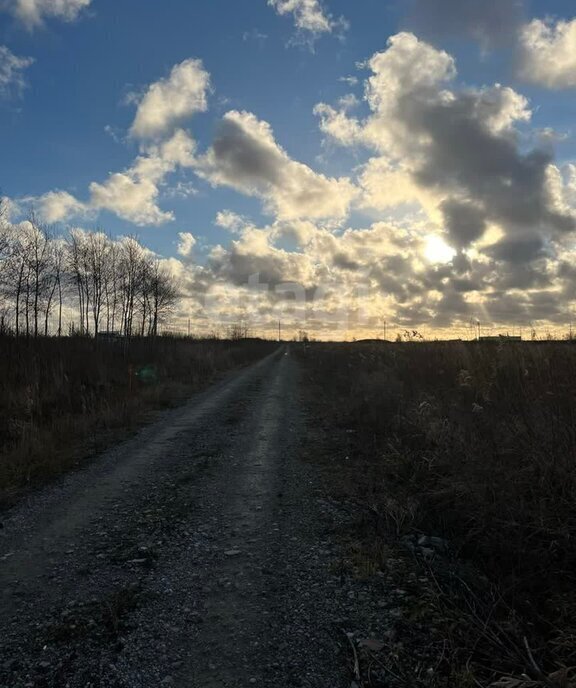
(198, 553)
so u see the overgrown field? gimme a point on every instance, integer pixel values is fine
(476, 444)
(63, 398)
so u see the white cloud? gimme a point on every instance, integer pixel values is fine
(254, 254)
(12, 68)
(130, 198)
(246, 157)
(33, 13)
(386, 185)
(55, 206)
(456, 153)
(181, 189)
(545, 48)
(168, 102)
(408, 67)
(186, 244)
(547, 53)
(338, 125)
(309, 16)
(133, 193)
(233, 222)
(453, 164)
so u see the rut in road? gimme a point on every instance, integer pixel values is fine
(191, 555)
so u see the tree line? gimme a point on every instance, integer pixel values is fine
(108, 285)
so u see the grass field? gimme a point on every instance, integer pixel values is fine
(61, 399)
(476, 444)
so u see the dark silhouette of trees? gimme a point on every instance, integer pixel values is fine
(95, 282)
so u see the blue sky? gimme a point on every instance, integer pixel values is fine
(65, 119)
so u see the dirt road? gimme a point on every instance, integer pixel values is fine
(194, 554)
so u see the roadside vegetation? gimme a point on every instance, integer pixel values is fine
(463, 454)
(81, 353)
(62, 399)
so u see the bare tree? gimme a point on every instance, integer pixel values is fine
(97, 254)
(76, 263)
(38, 257)
(118, 282)
(164, 295)
(112, 285)
(130, 278)
(57, 251)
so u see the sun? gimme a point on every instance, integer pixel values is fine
(437, 250)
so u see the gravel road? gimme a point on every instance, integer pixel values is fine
(196, 553)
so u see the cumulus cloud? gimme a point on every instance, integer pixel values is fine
(55, 206)
(456, 164)
(133, 194)
(228, 219)
(170, 101)
(461, 147)
(544, 48)
(347, 283)
(464, 221)
(33, 13)
(333, 282)
(253, 255)
(309, 16)
(12, 80)
(246, 157)
(130, 198)
(547, 53)
(186, 244)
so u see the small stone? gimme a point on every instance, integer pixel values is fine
(232, 552)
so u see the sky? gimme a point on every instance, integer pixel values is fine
(341, 167)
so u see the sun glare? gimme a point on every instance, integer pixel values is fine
(438, 251)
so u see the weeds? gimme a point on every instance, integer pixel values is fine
(474, 443)
(61, 399)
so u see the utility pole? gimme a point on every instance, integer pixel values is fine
(279, 331)
(188, 326)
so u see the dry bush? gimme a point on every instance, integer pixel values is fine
(59, 398)
(474, 443)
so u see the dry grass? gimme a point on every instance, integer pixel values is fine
(61, 399)
(474, 443)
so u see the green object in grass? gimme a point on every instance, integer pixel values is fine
(147, 374)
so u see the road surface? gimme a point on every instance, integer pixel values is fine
(194, 554)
